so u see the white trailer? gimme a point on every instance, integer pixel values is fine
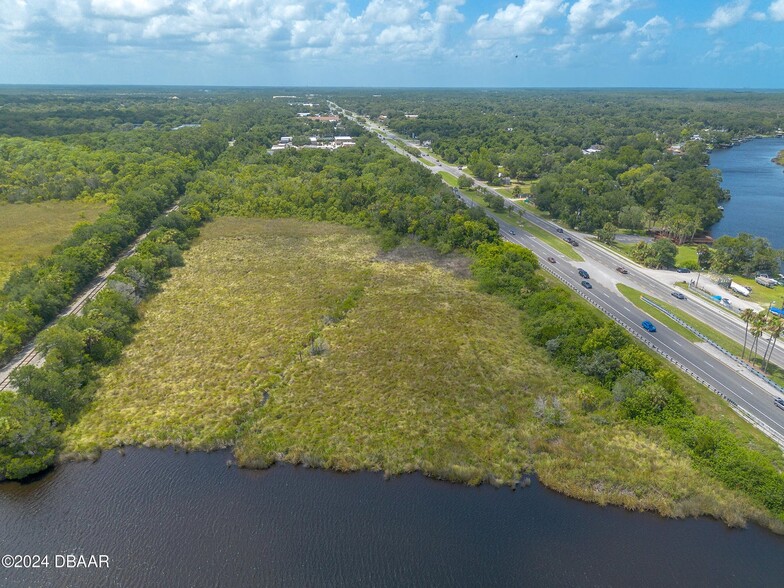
(742, 290)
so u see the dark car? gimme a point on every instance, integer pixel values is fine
(779, 402)
(583, 273)
(649, 326)
(621, 270)
(586, 284)
(551, 259)
(683, 270)
(559, 230)
(678, 295)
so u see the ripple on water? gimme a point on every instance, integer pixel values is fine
(174, 519)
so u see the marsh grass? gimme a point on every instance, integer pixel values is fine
(30, 231)
(418, 371)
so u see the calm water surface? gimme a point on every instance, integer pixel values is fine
(171, 519)
(757, 188)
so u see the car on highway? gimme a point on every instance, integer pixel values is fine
(649, 326)
(551, 259)
(583, 273)
(621, 270)
(678, 295)
(683, 270)
(559, 230)
(779, 402)
(511, 232)
(586, 284)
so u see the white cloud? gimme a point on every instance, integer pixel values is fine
(516, 20)
(13, 15)
(393, 12)
(758, 16)
(129, 8)
(727, 15)
(447, 12)
(776, 10)
(292, 27)
(597, 16)
(651, 39)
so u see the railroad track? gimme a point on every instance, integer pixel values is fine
(29, 355)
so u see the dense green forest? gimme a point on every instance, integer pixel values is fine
(633, 160)
(110, 150)
(364, 185)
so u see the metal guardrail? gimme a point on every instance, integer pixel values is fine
(743, 413)
(732, 356)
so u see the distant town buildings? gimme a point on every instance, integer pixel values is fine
(314, 143)
(593, 149)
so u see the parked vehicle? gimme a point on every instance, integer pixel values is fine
(551, 259)
(621, 270)
(742, 290)
(649, 326)
(678, 295)
(766, 281)
(583, 273)
(586, 284)
(683, 270)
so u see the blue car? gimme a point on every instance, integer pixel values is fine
(649, 326)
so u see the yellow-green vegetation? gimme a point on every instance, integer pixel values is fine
(553, 241)
(448, 178)
(223, 332)
(779, 158)
(302, 342)
(525, 189)
(718, 337)
(426, 162)
(30, 231)
(686, 256)
(558, 244)
(635, 297)
(762, 294)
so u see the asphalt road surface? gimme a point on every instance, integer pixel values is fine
(734, 383)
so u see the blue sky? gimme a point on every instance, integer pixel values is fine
(526, 43)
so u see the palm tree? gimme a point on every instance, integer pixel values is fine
(746, 316)
(757, 328)
(775, 328)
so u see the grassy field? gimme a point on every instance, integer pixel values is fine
(30, 231)
(634, 296)
(448, 178)
(246, 302)
(558, 244)
(761, 294)
(686, 254)
(718, 337)
(302, 342)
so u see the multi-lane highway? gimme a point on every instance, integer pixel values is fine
(748, 394)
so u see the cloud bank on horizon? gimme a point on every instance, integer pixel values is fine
(705, 43)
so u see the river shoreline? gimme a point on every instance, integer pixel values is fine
(753, 177)
(200, 523)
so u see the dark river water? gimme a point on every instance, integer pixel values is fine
(171, 519)
(756, 185)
